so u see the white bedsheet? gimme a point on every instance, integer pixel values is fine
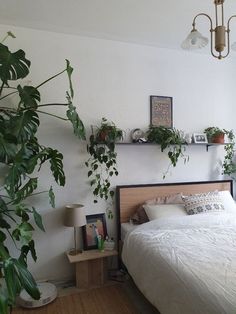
(186, 264)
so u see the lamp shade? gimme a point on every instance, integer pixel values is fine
(194, 40)
(74, 215)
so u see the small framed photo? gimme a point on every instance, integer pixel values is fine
(161, 111)
(96, 224)
(200, 138)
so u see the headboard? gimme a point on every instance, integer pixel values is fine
(129, 197)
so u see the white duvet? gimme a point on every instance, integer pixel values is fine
(185, 264)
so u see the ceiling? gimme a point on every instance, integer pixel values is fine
(151, 22)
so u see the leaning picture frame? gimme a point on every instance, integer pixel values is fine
(161, 111)
(94, 224)
(200, 138)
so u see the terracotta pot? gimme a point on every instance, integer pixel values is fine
(218, 139)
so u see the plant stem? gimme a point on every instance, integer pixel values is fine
(49, 79)
(53, 115)
(7, 94)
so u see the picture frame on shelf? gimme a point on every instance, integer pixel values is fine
(200, 138)
(94, 224)
(161, 111)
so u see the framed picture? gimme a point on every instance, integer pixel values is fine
(95, 224)
(199, 138)
(161, 111)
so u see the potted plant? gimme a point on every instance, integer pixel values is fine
(215, 135)
(22, 156)
(171, 139)
(102, 161)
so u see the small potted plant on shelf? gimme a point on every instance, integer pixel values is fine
(171, 139)
(102, 160)
(215, 135)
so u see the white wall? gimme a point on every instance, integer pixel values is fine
(115, 80)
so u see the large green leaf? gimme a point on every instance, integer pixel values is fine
(51, 197)
(29, 96)
(38, 219)
(69, 71)
(8, 148)
(13, 66)
(27, 280)
(57, 166)
(26, 190)
(25, 125)
(77, 123)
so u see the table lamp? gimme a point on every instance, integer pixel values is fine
(74, 217)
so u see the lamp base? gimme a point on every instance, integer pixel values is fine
(75, 252)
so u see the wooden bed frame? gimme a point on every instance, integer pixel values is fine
(129, 197)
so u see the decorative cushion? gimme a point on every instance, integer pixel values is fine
(169, 199)
(201, 203)
(139, 217)
(164, 210)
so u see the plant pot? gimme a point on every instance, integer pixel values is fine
(220, 138)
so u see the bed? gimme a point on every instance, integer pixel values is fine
(183, 264)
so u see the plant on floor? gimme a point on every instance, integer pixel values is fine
(102, 160)
(21, 158)
(170, 139)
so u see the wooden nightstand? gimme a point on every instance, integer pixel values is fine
(91, 268)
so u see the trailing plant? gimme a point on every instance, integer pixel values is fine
(170, 139)
(228, 166)
(102, 160)
(22, 156)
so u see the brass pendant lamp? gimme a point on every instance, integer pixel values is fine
(220, 38)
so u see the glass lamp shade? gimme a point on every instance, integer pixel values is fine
(74, 215)
(195, 40)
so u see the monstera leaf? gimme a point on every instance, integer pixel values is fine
(25, 125)
(77, 123)
(29, 96)
(13, 66)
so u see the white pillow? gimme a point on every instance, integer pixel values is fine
(228, 201)
(164, 210)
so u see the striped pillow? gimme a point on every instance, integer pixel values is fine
(202, 203)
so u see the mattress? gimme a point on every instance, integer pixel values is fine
(185, 265)
(126, 228)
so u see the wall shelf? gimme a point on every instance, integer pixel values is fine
(207, 145)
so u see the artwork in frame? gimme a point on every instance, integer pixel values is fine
(200, 138)
(161, 111)
(95, 224)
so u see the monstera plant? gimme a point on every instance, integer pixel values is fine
(21, 157)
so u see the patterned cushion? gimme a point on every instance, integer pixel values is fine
(202, 203)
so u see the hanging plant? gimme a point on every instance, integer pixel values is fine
(23, 157)
(102, 161)
(171, 140)
(229, 166)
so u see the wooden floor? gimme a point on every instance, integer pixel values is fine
(105, 300)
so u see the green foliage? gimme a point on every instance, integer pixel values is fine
(213, 131)
(23, 157)
(229, 165)
(170, 139)
(102, 161)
